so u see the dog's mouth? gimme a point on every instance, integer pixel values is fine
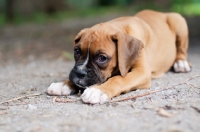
(79, 82)
(80, 86)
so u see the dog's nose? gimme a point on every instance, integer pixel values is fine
(81, 73)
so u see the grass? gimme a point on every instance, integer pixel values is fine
(40, 18)
(2, 19)
(187, 9)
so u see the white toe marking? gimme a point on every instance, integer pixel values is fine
(175, 66)
(93, 95)
(187, 67)
(58, 89)
(181, 66)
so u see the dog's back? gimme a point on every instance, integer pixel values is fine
(169, 30)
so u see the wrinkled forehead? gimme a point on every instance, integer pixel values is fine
(96, 41)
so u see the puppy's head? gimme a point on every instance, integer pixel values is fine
(101, 52)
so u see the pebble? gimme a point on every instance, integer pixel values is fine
(167, 92)
(32, 107)
(156, 98)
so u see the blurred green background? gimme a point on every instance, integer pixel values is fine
(42, 11)
(46, 28)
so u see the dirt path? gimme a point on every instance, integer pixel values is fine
(175, 110)
(39, 113)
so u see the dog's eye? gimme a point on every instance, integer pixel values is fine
(77, 51)
(102, 59)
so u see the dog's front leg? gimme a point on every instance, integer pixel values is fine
(138, 78)
(61, 88)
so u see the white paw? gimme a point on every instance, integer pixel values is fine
(58, 89)
(181, 66)
(93, 96)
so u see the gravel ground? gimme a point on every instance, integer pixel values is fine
(181, 104)
(173, 110)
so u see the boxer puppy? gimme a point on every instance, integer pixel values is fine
(123, 54)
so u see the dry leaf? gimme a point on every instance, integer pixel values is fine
(164, 113)
(2, 113)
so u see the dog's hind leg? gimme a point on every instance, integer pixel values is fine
(179, 26)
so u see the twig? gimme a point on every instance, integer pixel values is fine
(17, 98)
(156, 91)
(56, 99)
(192, 87)
(197, 109)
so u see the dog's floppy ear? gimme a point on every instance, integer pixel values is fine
(78, 36)
(128, 49)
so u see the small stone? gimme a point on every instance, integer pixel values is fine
(156, 98)
(32, 107)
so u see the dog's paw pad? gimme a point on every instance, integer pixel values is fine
(58, 89)
(181, 66)
(93, 96)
